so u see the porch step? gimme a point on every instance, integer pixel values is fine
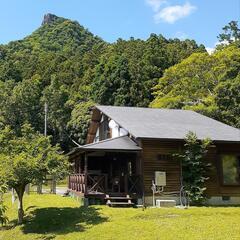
(118, 198)
(121, 201)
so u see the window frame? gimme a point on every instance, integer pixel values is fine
(164, 157)
(222, 173)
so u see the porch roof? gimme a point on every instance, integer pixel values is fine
(123, 144)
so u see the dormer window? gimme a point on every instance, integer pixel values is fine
(116, 130)
(103, 129)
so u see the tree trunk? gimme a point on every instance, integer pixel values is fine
(39, 187)
(20, 213)
(27, 189)
(13, 196)
(53, 185)
(20, 191)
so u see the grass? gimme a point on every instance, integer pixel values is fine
(55, 217)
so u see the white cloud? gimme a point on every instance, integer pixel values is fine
(181, 35)
(173, 13)
(155, 4)
(169, 14)
(210, 50)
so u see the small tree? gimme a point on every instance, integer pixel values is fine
(28, 158)
(231, 33)
(194, 167)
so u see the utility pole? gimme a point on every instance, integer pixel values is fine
(45, 118)
(39, 186)
(53, 182)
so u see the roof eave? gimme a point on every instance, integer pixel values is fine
(182, 139)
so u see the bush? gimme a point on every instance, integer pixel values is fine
(194, 167)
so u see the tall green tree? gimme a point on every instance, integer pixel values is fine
(80, 119)
(112, 82)
(203, 83)
(28, 158)
(56, 96)
(231, 33)
(228, 100)
(22, 105)
(186, 83)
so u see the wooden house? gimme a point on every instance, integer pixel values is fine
(127, 146)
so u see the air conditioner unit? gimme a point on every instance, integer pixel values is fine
(165, 203)
(160, 178)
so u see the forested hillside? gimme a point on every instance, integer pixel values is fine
(67, 67)
(70, 69)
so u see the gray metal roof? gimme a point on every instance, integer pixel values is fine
(123, 143)
(169, 123)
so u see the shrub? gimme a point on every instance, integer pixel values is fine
(194, 167)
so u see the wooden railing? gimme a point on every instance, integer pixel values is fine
(76, 182)
(98, 183)
(133, 184)
(89, 183)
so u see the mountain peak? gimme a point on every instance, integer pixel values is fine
(49, 18)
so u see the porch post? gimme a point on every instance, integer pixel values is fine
(85, 170)
(75, 166)
(85, 163)
(141, 168)
(80, 163)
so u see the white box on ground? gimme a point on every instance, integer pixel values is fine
(165, 203)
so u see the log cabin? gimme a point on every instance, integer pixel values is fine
(128, 149)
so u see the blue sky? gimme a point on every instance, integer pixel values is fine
(201, 20)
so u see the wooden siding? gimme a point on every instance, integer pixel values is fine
(151, 163)
(213, 183)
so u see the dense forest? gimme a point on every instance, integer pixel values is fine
(67, 67)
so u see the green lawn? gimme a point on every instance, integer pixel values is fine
(56, 217)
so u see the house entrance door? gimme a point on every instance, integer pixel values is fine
(120, 171)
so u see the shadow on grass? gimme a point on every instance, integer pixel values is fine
(30, 207)
(61, 220)
(8, 227)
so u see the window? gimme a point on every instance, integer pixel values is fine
(231, 169)
(103, 129)
(226, 198)
(164, 157)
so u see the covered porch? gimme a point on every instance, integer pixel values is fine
(109, 167)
